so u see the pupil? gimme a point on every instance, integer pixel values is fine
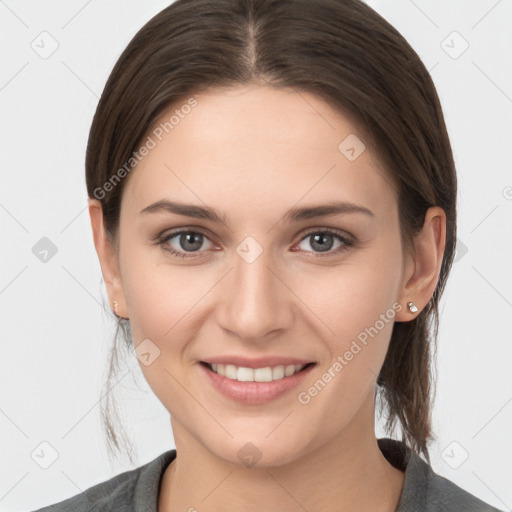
(320, 240)
(188, 238)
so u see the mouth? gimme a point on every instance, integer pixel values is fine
(255, 381)
(263, 374)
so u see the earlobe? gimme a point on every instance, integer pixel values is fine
(423, 271)
(107, 255)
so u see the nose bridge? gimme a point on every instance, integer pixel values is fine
(255, 300)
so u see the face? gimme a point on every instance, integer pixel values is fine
(266, 282)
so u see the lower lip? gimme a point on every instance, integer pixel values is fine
(254, 392)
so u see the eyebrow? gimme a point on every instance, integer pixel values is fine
(293, 215)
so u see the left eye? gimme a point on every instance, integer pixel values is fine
(324, 241)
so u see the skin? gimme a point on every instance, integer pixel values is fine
(252, 153)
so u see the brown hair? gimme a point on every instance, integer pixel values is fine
(346, 54)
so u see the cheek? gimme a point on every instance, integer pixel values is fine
(160, 299)
(360, 319)
(362, 322)
(356, 305)
(159, 295)
(348, 298)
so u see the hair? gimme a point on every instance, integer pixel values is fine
(346, 54)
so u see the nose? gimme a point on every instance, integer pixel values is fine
(256, 302)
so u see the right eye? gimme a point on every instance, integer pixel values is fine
(186, 242)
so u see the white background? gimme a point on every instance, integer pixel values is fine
(54, 331)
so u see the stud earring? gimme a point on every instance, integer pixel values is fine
(412, 307)
(116, 305)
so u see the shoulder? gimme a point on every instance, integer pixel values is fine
(127, 491)
(425, 490)
(445, 495)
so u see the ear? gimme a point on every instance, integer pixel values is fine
(423, 267)
(107, 254)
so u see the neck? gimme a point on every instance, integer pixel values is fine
(347, 473)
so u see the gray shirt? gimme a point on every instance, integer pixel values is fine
(137, 490)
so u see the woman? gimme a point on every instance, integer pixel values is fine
(272, 196)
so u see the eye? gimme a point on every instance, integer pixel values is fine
(181, 243)
(184, 244)
(323, 241)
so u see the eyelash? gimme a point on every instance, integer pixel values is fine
(347, 243)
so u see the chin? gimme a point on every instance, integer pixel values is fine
(260, 452)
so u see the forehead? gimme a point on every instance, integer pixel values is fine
(257, 148)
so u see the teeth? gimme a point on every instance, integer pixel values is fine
(266, 374)
(277, 372)
(289, 370)
(263, 374)
(244, 374)
(230, 371)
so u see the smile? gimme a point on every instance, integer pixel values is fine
(254, 386)
(265, 374)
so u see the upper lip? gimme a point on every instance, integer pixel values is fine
(259, 362)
